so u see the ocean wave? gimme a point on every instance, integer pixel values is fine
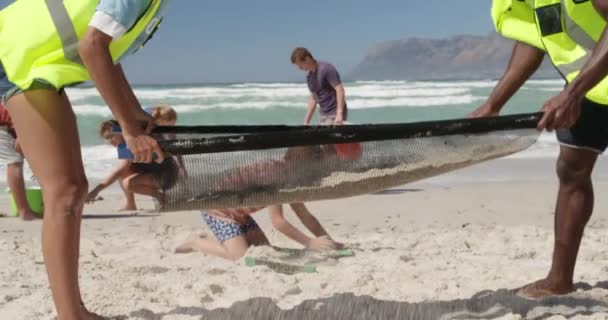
(551, 89)
(273, 90)
(301, 92)
(265, 85)
(381, 82)
(433, 84)
(98, 162)
(414, 101)
(551, 82)
(89, 109)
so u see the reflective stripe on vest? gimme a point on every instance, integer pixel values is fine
(65, 29)
(580, 37)
(567, 42)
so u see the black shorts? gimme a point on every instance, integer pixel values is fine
(590, 130)
(166, 172)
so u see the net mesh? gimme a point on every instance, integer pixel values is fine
(293, 166)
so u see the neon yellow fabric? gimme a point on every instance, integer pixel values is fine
(515, 20)
(39, 39)
(566, 30)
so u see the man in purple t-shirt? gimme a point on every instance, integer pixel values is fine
(325, 88)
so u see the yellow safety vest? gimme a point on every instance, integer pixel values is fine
(39, 39)
(566, 29)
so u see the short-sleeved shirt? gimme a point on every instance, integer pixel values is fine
(116, 17)
(321, 83)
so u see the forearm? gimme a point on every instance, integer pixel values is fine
(594, 70)
(109, 78)
(340, 98)
(308, 220)
(314, 226)
(525, 60)
(312, 104)
(108, 181)
(116, 173)
(291, 232)
(98, 188)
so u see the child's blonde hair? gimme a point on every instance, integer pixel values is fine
(164, 113)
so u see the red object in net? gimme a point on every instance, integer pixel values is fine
(348, 151)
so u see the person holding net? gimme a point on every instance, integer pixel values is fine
(50, 45)
(579, 113)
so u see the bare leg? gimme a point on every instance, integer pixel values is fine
(145, 184)
(308, 219)
(573, 210)
(256, 237)
(231, 249)
(14, 175)
(129, 196)
(48, 136)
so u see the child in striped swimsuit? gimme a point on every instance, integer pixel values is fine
(235, 228)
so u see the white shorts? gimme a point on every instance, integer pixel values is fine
(8, 153)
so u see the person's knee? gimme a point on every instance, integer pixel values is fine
(236, 254)
(66, 197)
(127, 184)
(573, 171)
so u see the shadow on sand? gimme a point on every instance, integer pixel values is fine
(483, 305)
(396, 191)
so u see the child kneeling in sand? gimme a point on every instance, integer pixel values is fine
(141, 178)
(235, 229)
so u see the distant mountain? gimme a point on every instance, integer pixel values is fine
(461, 57)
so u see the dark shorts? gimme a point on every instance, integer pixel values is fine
(590, 130)
(226, 230)
(166, 172)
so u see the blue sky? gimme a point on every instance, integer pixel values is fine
(245, 40)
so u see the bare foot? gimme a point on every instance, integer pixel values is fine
(88, 315)
(128, 208)
(543, 288)
(188, 245)
(27, 215)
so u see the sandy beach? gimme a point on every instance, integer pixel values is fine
(444, 248)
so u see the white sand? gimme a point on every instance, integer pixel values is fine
(439, 240)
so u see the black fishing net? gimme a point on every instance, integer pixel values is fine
(248, 166)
